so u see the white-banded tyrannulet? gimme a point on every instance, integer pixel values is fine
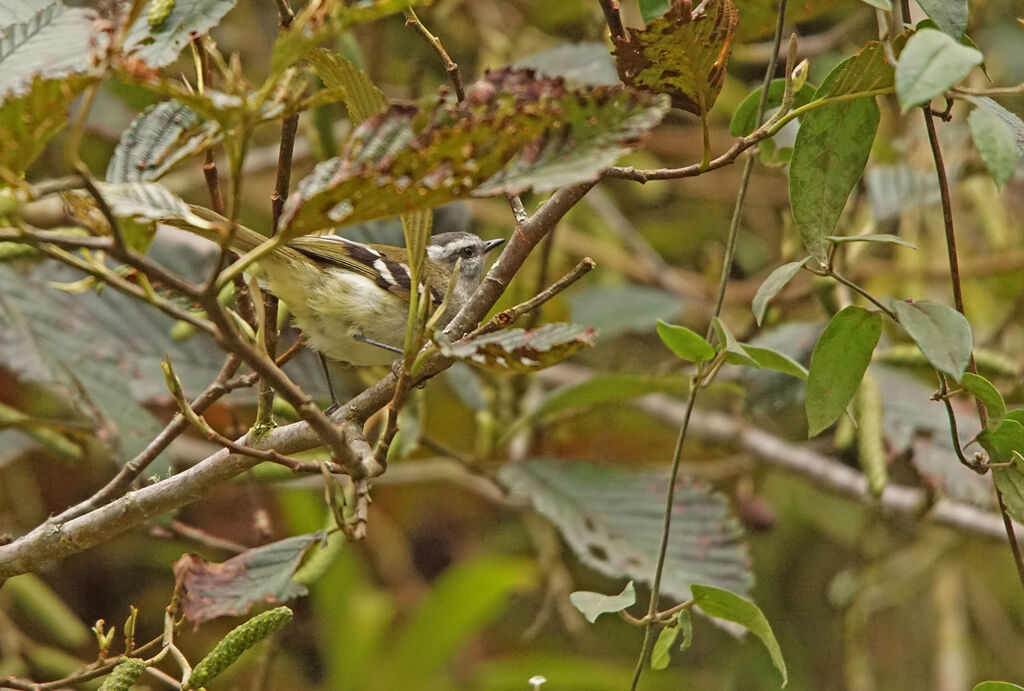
(339, 290)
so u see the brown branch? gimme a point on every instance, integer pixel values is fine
(450, 67)
(508, 317)
(614, 19)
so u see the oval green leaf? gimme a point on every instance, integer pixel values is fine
(984, 391)
(931, 63)
(687, 344)
(840, 358)
(775, 282)
(996, 138)
(662, 653)
(942, 334)
(592, 605)
(722, 604)
(774, 360)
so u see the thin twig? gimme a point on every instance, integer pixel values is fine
(614, 19)
(108, 214)
(450, 67)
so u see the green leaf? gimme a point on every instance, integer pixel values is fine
(949, 15)
(592, 605)
(611, 518)
(984, 391)
(735, 354)
(606, 388)
(832, 146)
(1016, 415)
(723, 604)
(942, 333)
(362, 97)
(774, 360)
(1002, 442)
(744, 119)
(158, 138)
(517, 350)
(513, 132)
(930, 63)
(685, 343)
(652, 9)
(999, 136)
(661, 655)
(256, 576)
(685, 623)
(997, 686)
(840, 358)
(1010, 482)
(771, 286)
(618, 309)
(30, 120)
(159, 46)
(679, 54)
(45, 42)
(881, 238)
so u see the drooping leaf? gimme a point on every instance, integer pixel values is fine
(585, 63)
(771, 286)
(661, 655)
(942, 333)
(256, 576)
(744, 118)
(592, 605)
(833, 144)
(618, 309)
(685, 343)
(999, 136)
(516, 350)
(611, 518)
(949, 15)
(984, 391)
(158, 138)
(723, 604)
(838, 363)
(680, 54)
(774, 360)
(878, 238)
(47, 41)
(29, 121)
(930, 63)
(159, 46)
(513, 132)
(685, 623)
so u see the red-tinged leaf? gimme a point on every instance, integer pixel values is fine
(257, 576)
(681, 54)
(516, 350)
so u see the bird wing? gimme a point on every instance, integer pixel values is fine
(365, 260)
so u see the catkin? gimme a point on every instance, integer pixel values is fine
(235, 643)
(124, 675)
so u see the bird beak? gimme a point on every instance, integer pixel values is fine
(491, 244)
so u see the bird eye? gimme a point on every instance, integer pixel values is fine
(467, 252)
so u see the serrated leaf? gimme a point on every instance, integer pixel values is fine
(144, 202)
(999, 136)
(930, 63)
(680, 54)
(984, 391)
(949, 15)
(159, 46)
(513, 132)
(833, 144)
(592, 605)
(516, 350)
(723, 604)
(611, 518)
(878, 238)
(256, 576)
(774, 360)
(29, 121)
(52, 42)
(362, 97)
(942, 333)
(618, 309)
(661, 655)
(771, 286)
(744, 119)
(687, 344)
(840, 358)
(157, 139)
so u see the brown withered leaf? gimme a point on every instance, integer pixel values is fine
(208, 590)
(679, 54)
(516, 350)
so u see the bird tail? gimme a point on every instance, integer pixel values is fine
(243, 239)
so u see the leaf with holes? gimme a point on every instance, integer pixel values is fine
(50, 42)
(513, 132)
(998, 135)
(257, 576)
(592, 605)
(942, 333)
(159, 45)
(840, 358)
(30, 120)
(681, 54)
(833, 144)
(611, 518)
(158, 138)
(516, 350)
(930, 63)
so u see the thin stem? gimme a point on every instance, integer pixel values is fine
(614, 19)
(450, 67)
(691, 400)
(861, 291)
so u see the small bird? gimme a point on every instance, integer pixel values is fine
(350, 299)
